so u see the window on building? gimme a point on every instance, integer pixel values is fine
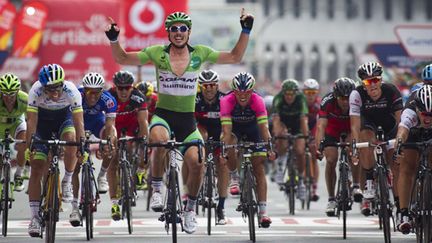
(350, 65)
(388, 9)
(266, 8)
(313, 8)
(283, 63)
(268, 67)
(315, 61)
(330, 9)
(368, 9)
(332, 65)
(428, 8)
(281, 8)
(241, 1)
(351, 9)
(408, 9)
(299, 63)
(297, 8)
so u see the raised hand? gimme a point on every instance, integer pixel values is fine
(246, 21)
(112, 31)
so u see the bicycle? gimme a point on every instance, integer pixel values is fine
(50, 202)
(382, 202)
(172, 210)
(290, 186)
(89, 191)
(208, 192)
(6, 184)
(308, 181)
(420, 203)
(343, 193)
(248, 204)
(126, 178)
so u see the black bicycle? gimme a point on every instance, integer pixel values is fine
(89, 191)
(383, 202)
(208, 193)
(308, 180)
(172, 210)
(6, 197)
(126, 178)
(50, 202)
(290, 186)
(421, 198)
(248, 204)
(343, 193)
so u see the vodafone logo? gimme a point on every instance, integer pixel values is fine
(146, 27)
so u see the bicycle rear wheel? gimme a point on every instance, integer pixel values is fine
(53, 206)
(426, 220)
(5, 200)
(384, 213)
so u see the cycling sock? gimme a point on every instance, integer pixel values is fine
(140, 170)
(34, 208)
(262, 207)
(185, 189)
(191, 202)
(75, 203)
(19, 171)
(221, 203)
(68, 176)
(156, 184)
(369, 184)
(102, 172)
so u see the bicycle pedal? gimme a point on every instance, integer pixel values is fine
(162, 218)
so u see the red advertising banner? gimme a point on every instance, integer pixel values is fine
(28, 33)
(144, 21)
(74, 37)
(7, 18)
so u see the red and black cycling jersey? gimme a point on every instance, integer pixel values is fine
(208, 115)
(313, 113)
(380, 112)
(337, 121)
(127, 112)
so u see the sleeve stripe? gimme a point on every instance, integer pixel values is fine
(32, 109)
(77, 109)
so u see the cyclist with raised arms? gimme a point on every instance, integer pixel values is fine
(333, 121)
(290, 115)
(207, 113)
(99, 118)
(13, 105)
(243, 115)
(131, 118)
(313, 101)
(177, 65)
(373, 104)
(54, 107)
(416, 115)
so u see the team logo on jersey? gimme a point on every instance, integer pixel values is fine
(195, 62)
(109, 104)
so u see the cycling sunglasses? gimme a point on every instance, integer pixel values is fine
(122, 88)
(310, 91)
(54, 88)
(93, 91)
(181, 28)
(370, 81)
(207, 86)
(9, 94)
(343, 98)
(238, 92)
(427, 114)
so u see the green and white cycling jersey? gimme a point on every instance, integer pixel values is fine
(177, 93)
(13, 120)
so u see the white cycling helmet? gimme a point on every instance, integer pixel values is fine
(424, 98)
(311, 83)
(93, 80)
(208, 76)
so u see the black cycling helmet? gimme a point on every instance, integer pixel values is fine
(343, 87)
(123, 78)
(369, 70)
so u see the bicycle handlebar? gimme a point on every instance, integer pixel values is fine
(390, 142)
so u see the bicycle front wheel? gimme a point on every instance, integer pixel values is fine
(53, 206)
(173, 203)
(5, 199)
(344, 201)
(426, 220)
(250, 204)
(209, 197)
(87, 211)
(127, 197)
(384, 213)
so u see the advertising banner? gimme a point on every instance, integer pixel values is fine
(144, 21)
(7, 18)
(416, 39)
(74, 37)
(28, 31)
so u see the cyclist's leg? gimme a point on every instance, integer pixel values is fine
(67, 133)
(232, 164)
(314, 169)
(331, 155)
(20, 133)
(299, 149)
(367, 162)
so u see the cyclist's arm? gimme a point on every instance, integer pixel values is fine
(355, 104)
(226, 133)
(142, 122)
(110, 126)
(304, 125)
(78, 121)
(322, 124)
(122, 57)
(409, 119)
(355, 127)
(236, 54)
(32, 120)
(264, 131)
(398, 116)
(277, 125)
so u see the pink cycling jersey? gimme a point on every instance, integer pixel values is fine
(231, 111)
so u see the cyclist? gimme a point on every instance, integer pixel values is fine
(373, 104)
(207, 113)
(131, 118)
(333, 121)
(148, 90)
(99, 118)
(311, 92)
(290, 114)
(417, 114)
(54, 107)
(13, 105)
(177, 65)
(243, 115)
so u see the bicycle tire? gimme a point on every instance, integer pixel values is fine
(426, 220)
(173, 199)
(209, 195)
(344, 197)
(86, 209)
(308, 183)
(53, 206)
(250, 204)
(384, 203)
(291, 188)
(5, 198)
(127, 196)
